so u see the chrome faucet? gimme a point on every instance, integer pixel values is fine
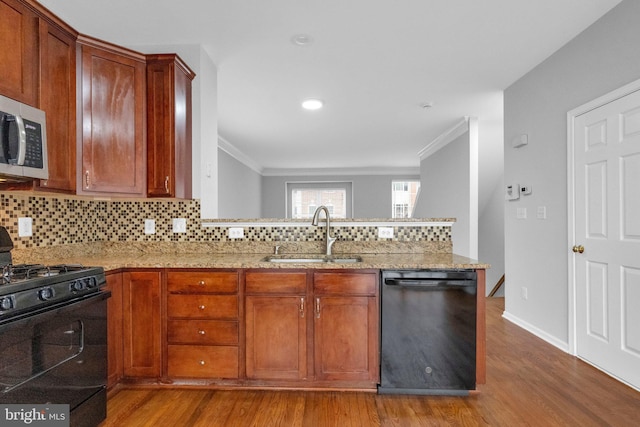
(329, 240)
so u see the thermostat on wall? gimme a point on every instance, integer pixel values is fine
(513, 192)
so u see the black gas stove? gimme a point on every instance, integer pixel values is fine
(53, 330)
(27, 287)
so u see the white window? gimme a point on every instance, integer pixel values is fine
(403, 198)
(303, 198)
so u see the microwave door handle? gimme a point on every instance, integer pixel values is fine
(22, 141)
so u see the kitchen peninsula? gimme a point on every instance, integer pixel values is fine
(212, 312)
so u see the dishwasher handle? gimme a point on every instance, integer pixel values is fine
(427, 282)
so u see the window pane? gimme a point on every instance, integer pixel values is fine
(403, 198)
(305, 201)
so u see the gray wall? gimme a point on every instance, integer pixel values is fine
(491, 236)
(445, 191)
(371, 193)
(239, 189)
(602, 58)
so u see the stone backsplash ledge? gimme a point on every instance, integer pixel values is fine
(71, 220)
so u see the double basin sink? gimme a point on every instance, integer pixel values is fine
(311, 258)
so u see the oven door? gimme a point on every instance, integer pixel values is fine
(58, 355)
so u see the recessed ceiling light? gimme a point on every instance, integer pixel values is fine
(312, 104)
(302, 40)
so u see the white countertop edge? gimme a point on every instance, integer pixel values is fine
(333, 224)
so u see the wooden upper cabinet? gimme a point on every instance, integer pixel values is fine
(113, 146)
(58, 100)
(19, 54)
(168, 126)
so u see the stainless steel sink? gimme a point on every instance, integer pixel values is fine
(307, 258)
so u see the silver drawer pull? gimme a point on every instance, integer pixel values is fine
(201, 283)
(201, 307)
(201, 332)
(202, 362)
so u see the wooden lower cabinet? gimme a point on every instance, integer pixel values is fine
(202, 324)
(114, 329)
(142, 324)
(276, 337)
(346, 332)
(276, 328)
(345, 338)
(336, 317)
(276, 314)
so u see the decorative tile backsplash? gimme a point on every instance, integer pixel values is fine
(62, 220)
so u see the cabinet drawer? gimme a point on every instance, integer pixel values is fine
(202, 281)
(203, 332)
(294, 282)
(200, 361)
(345, 283)
(195, 306)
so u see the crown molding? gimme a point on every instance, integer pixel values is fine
(340, 171)
(458, 129)
(231, 150)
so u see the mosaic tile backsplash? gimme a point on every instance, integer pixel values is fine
(63, 220)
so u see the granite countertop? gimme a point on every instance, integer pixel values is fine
(255, 260)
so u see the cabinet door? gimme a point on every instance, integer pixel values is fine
(19, 53)
(114, 329)
(113, 139)
(142, 324)
(168, 127)
(346, 338)
(58, 100)
(276, 346)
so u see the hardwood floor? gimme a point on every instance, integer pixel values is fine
(529, 383)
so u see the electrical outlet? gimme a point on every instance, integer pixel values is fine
(179, 225)
(149, 226)
(524, 293)
(25, 227)
(385, 232)
(236, 233)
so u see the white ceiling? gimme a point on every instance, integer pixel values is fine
(373, 62)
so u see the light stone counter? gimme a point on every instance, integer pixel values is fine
(112, 260)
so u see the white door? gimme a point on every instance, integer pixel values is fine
(606, 249)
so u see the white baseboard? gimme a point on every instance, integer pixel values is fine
(537, 332)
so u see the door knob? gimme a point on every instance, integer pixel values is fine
(578, 249)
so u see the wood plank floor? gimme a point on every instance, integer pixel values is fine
(529, 383)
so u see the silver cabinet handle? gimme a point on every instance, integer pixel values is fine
(86, 179)
(317, 308)
(201, 307)
(302, 307)
(201, 332)
(166, 184)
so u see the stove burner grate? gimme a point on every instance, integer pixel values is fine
(21, 272)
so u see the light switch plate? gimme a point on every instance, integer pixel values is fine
(179, 225)
(25, 227)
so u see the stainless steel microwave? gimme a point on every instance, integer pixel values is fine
(23, 141)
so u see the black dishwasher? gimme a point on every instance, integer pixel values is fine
(428, 327)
